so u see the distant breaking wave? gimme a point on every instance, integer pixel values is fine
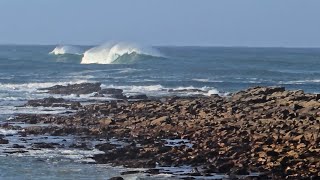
(66, 49)
(117, 53)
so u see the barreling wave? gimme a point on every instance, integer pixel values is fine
(66, 49)
(117, 53)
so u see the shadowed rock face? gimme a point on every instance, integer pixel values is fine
(3, 141)
(261, 129)
(46, 102)
(83, 88)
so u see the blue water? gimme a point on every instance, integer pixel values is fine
(24, 69)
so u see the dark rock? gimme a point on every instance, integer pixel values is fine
(118, 96)
(296, 107)
(17, 146)
(4, 141)
(226, 167)
(98, 95)
(153, 171)
(256, 99)
(138, 96)
(80, 146)
(111, 91)
(75, 105)
(46, 102)
(239, 171)
(83, 88)
(15, 151)
(130, 172)
(105, 147)
(45, 145)
(116, 178)
(187, 90)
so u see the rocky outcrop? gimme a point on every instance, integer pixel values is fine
(83, 88)
(263, 129)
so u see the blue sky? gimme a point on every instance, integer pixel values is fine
(289, 23)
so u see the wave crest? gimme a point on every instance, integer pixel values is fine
(112, 52)
(66, 49)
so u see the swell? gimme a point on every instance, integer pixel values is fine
(118, 53)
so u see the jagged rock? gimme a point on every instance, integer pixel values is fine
(83, 88)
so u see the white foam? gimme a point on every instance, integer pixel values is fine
(109, 52)
(158, 90)
(206, 80)
(213, 91)
(8, 132)
(66, 49)
(29, 87)
(8, 110)
(138, 89)
(301, 81)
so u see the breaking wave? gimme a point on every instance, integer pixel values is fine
(66, 49)
(117, 53)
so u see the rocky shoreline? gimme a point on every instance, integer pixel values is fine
(258, 133)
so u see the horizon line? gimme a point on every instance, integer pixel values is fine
(168, 45)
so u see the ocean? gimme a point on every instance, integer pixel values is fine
(154, 71)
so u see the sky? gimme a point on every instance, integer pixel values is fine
(266, 23)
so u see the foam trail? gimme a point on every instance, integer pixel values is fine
(110, 52)
(66, 49)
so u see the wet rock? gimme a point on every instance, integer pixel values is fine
(80, 146)
(83, 88)
(111, 91)
(130, 172)
(45, 145)
(98, 95)
(106, 146)
(118, 96)
(239, 171)
(20, 151)
(75, 105)
(17, 146)
(153, 171)
(46, 102)
(226, 167)
(4, 141)
(116, 178)
(138, 96)
(187, 90)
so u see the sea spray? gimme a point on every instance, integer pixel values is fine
(66, 49)
(110, 52)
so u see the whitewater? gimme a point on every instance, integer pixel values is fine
(66, 49)
(108, 53)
